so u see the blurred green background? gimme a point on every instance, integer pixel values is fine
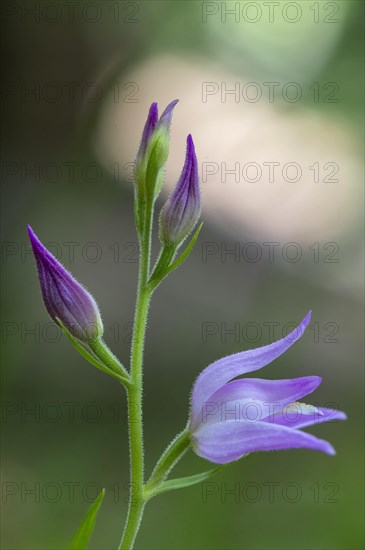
(77, 82)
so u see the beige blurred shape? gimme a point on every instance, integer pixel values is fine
(227, 133)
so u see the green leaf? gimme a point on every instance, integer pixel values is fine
(86, 528)
(90, 358)
(181, 482)
(186, 252)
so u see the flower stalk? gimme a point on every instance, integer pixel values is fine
(167, 461)
(135, 395)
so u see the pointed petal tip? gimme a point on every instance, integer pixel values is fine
(303, 324)
(153, 112)
(307, 318)
(324, 446)
(316, 381)
(167, 114)
(330, 450)
(34, 240)
(298, 332)
(190, 143)
(190, 146)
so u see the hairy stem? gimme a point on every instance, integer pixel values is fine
(135, 393)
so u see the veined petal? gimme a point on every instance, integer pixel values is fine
(64, 297)
(222, 371)
(300, 415)
(253, 399)
(182, 209)
(225, 442)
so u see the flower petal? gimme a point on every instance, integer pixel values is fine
(225, 442)
(299, 415)
(220, 372)
(165, 119)
(254, 399)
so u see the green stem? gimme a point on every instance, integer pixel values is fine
(135, 415)
(166, 256)
(167, 461)
(106, 357)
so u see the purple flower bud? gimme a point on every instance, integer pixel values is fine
(148, 130)
(182, 209)
(160, 140)
(64, 297)
(153, 150)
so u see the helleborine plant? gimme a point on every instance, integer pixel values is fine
(229, 417)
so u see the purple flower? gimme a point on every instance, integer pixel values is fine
(182, 209)
(64, 297)
(230, 418)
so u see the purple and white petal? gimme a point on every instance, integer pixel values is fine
(300, 415)
(225, 442)
(253, 399)
(222, 371)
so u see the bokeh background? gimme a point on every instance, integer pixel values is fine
(78, 78)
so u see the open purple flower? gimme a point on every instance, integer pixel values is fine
(231, 418)
(182, 209)
(64, 297)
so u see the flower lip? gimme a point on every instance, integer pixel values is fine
(64, 297)
(254, 399)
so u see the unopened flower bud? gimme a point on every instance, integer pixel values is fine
(182, 209)
(160, 142)
(65, 299)
(153, 151)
